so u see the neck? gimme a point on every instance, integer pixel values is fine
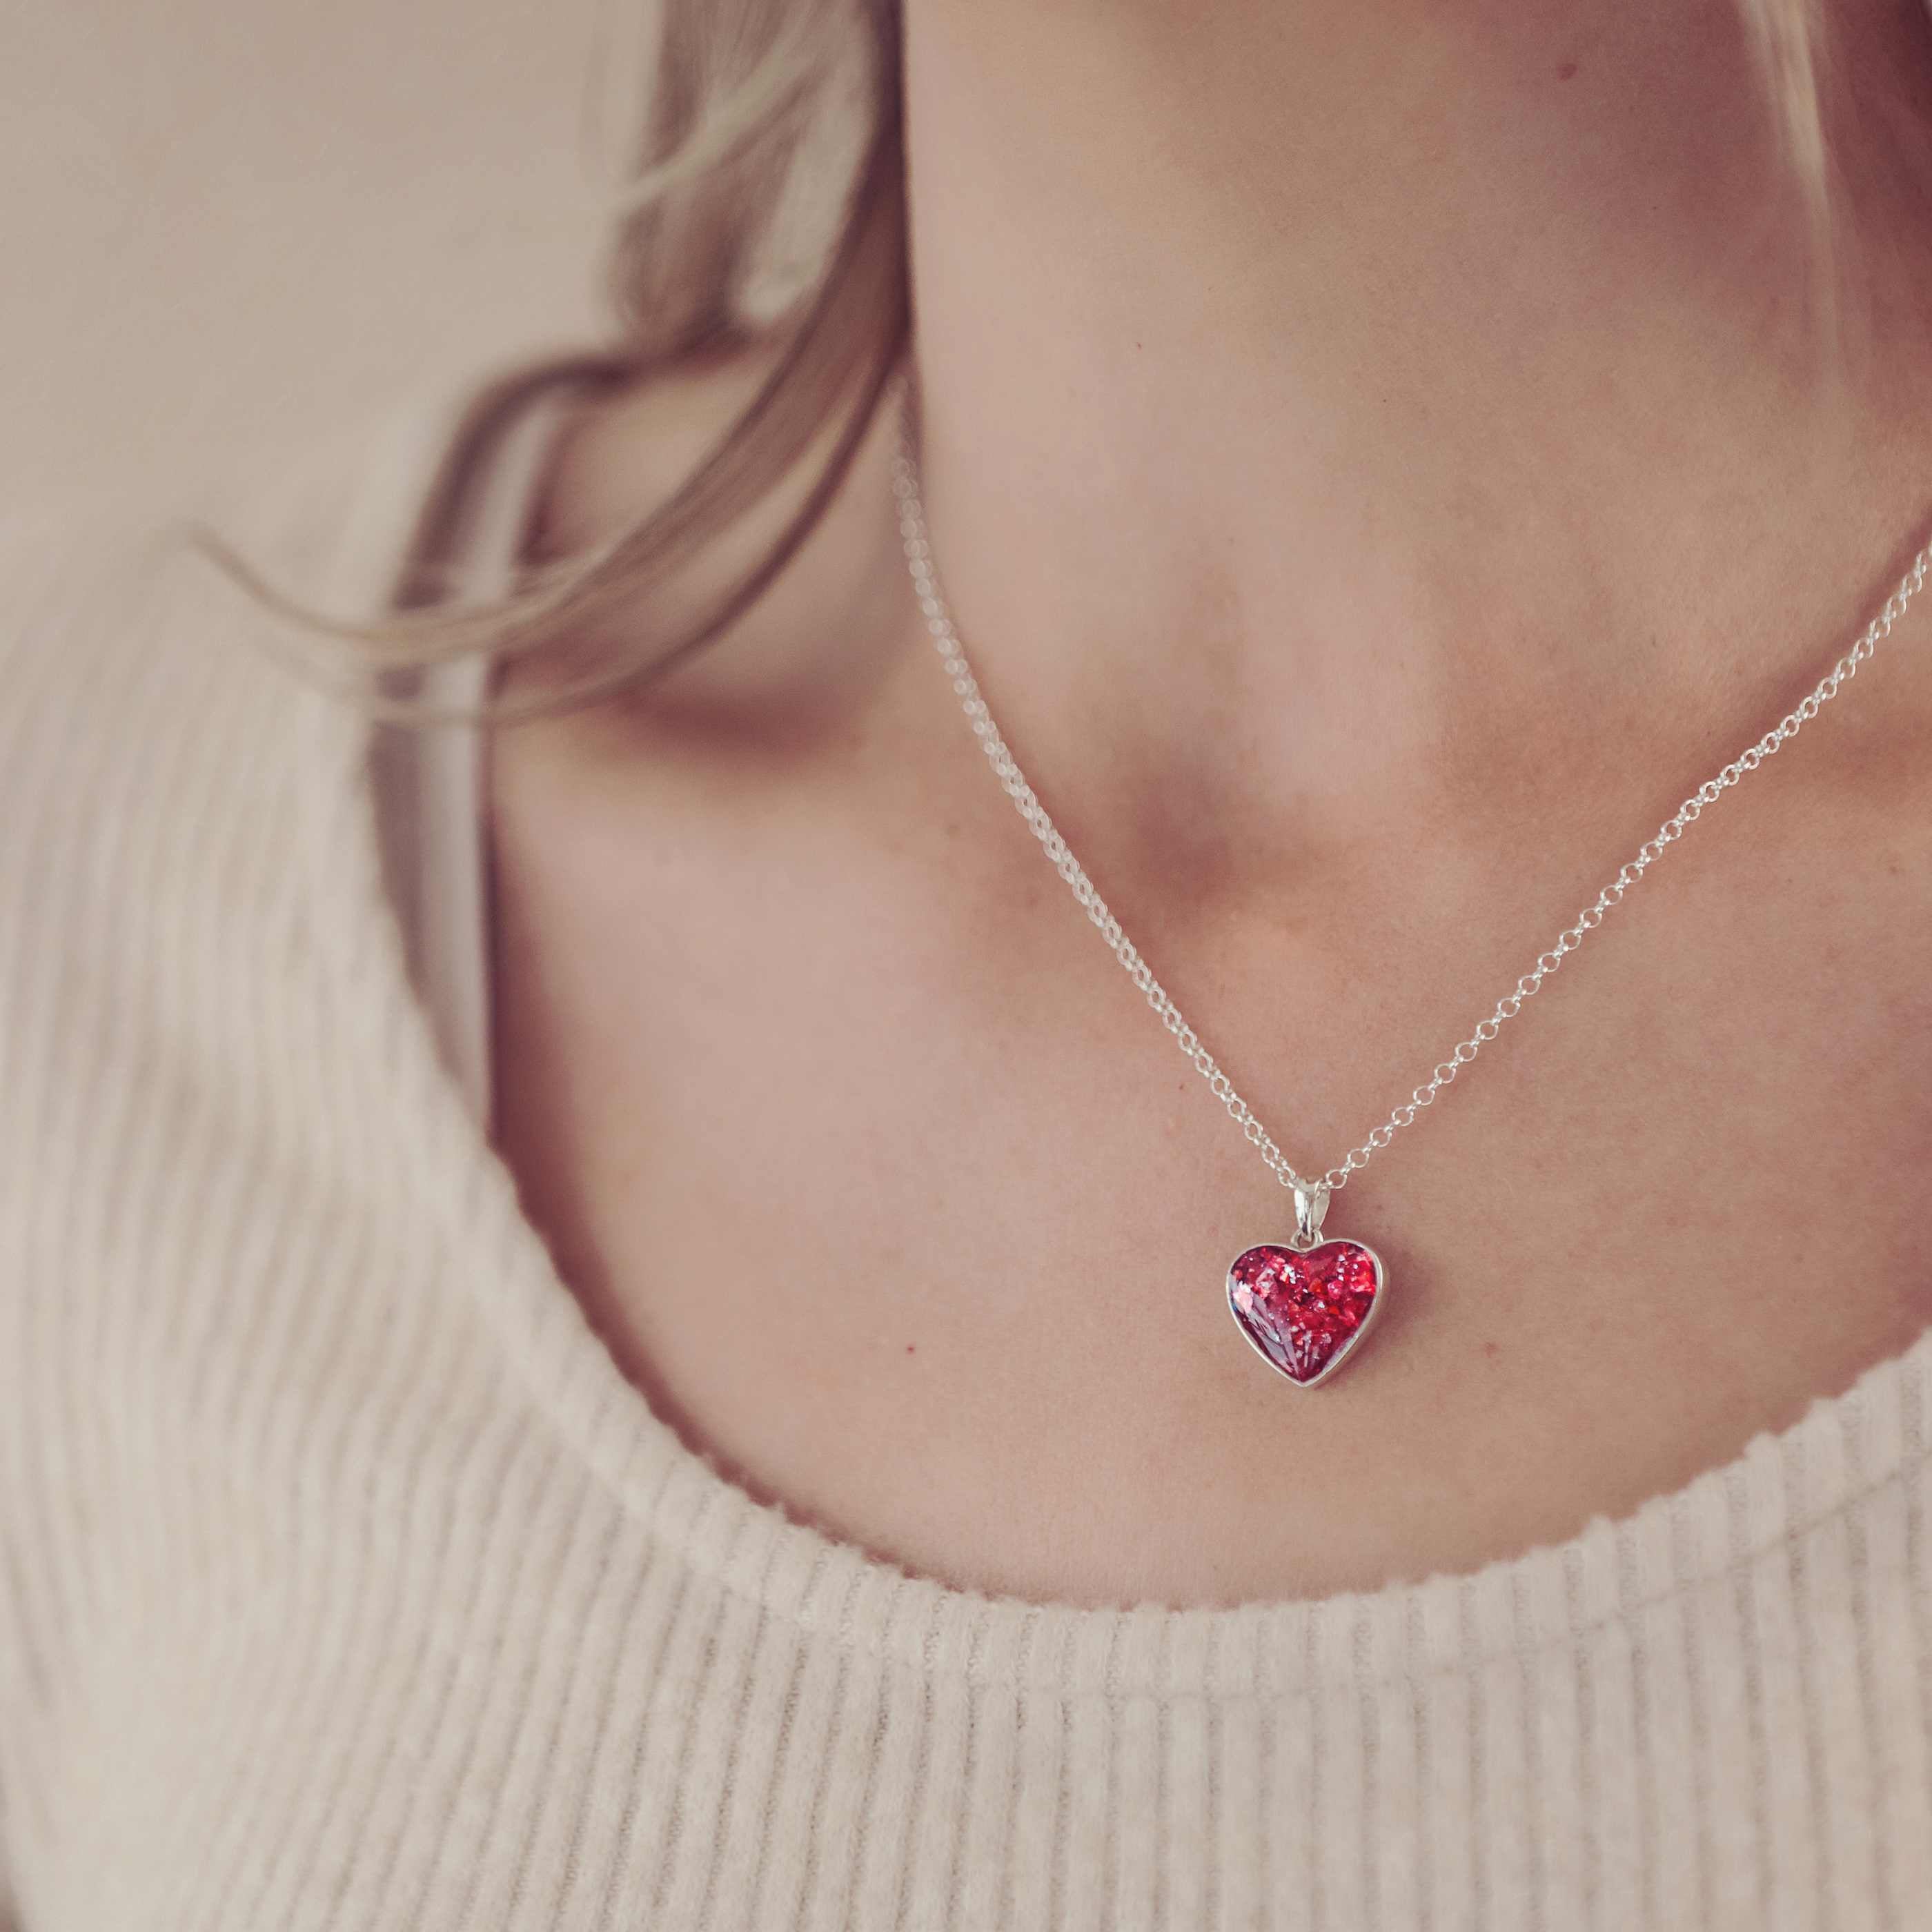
(1434, 386)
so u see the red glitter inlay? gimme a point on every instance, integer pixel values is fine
(1302, 1310)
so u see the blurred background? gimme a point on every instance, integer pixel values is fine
(227, 227)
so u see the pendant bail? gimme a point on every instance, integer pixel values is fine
(1311, 1205)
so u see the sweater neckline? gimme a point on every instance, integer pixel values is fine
(1709, 1532)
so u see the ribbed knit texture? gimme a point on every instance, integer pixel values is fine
(344, 1583)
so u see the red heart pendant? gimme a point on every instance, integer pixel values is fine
(1306, 1311)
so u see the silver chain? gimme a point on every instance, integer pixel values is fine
(952, 654)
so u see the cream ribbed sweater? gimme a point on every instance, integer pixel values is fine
(345, 1583)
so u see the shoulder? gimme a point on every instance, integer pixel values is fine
(123, 666)
(140, 691)
(108, 625)
(141, 683)
(107, 607)
(158, 766)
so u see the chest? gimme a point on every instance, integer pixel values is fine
(887, 1188)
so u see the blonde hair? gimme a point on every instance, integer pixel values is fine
(743, 96)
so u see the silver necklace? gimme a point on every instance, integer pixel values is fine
(1306, 1303)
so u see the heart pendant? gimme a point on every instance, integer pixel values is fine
(1305, 1310)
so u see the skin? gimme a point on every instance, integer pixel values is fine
(1379, 466)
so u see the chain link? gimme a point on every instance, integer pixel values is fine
(918, 547)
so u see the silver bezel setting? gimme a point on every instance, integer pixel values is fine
(1347, 1351)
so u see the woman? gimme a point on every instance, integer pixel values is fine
(621, 1319)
